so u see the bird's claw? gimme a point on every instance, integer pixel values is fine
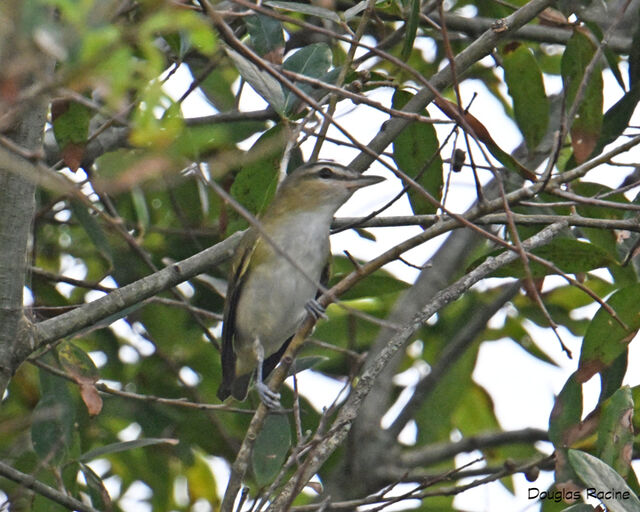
(314, 308)
(269, 398)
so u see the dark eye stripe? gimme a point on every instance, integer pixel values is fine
(325, 173)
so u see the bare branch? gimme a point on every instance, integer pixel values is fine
(434, 453)
(349, 411)
(112, 306)
(541, 33)
(44, 490)
(494, 218)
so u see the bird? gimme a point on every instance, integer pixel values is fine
(268, 297)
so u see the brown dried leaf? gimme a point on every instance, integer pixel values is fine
(553, 18)
(316, 486)
(72, 155)
(90, 396)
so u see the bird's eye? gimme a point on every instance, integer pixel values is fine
(325, 173)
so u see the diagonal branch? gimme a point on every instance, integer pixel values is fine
(118, 301)
(452, 352)
(44, 490)
(349, 411)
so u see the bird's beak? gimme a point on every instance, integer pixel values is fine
(365, 181)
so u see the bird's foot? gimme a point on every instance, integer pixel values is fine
(314, 308)
(269, 398)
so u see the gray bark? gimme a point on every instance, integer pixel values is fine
(17, 208)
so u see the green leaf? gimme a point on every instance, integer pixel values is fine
(313, 61)
(379, 283)
(93, 229)
(179, 43)
(217, 84)
(304, 363)
(436, 504)
(363, 233)
(53, 419)
(570, 255)
(613, 61)
(446, 397)
(114, 164)
(52, 426)
(71, 130)
(476, 414)
(265, 33)
(196, 141)
(635, 393)
(84, 373)
(594, 190)
(264, 84)
(601, 478)
(97, 41)
(514, 329)
(416, 151)
(605, 238)
(587, 126)
(605, 338)
(98, 493)
(617, 119)
(566, 413)
(76, 361)
(310, 10)
(507, 160)
(609, 55)
(140, 206)
(271, 447)
(411, 28)
(611, 378)
(526, 88)
(124, 446)
(565, 427)
(151, 131)
(71, 123)
(615, 431)
(340, 330)
(256, 183)
(200, 482)
(568, 297)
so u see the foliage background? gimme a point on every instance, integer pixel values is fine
(102, 173)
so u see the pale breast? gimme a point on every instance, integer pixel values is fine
(272, 303)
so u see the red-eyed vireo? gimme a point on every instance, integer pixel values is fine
(267, 296)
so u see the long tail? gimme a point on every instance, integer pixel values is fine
(240, 386)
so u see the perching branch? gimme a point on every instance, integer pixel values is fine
(115, 304)
(500, 218)
(44, 490)
(347, 414)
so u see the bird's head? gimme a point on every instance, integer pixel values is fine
(320, 185)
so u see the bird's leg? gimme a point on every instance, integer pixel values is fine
(269, 398)
(314, 308)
